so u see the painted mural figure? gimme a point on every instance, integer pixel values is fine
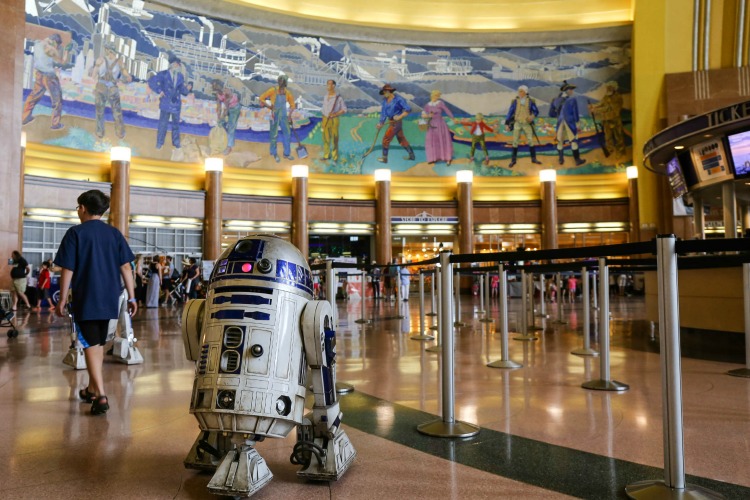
(47, 55)
(170, 85)
(333, 107)
(394, 109)
(438, 143)
(565, 109)
(108, 71)
(477, 127)
(280, 99)
(520, 118)
(609, 111)
(228, 109)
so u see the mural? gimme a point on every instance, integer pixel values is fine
(176, 86)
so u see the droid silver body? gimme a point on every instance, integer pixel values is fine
(253, 339)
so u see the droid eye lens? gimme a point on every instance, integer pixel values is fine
(264, 265)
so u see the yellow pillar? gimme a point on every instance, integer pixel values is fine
(119, 205)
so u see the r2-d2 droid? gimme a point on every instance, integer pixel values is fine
(253, 338)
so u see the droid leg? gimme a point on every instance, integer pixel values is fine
(323, 448)
(124, 349)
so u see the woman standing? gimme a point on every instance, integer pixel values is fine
(18, 273)
(154, 283)
(438, 144)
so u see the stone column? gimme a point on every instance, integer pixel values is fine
(212, 214)
(119, 204)
(300, 234)
(634, 215)
(11, 96)
(383, 244)
(547, 184)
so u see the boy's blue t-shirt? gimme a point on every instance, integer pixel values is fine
(94, 251)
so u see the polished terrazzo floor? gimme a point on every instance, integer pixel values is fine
(542, 435)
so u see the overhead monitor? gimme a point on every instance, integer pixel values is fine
(676, 178)
(739, 149)
(710, 162)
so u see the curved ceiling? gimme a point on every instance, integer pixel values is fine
(458, 15)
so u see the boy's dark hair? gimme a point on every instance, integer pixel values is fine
(45, 264)
(95, 201)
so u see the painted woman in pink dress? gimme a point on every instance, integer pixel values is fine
(438, 144)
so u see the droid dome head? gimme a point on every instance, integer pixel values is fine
(264, 260)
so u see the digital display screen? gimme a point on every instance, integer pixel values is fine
(739, 148)
(710, 162)
(676, 178)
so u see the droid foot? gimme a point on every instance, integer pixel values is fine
(75, 358)
(242, 473)
(207, 452)
(325, 461)
(125, 352)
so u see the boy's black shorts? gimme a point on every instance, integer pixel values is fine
(93, 332)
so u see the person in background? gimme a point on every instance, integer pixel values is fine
(44, 281)
(192, 279)
(405, 278)
(166, 277)
(94, 256)
(18, 274)
(154, 283)
(391, 281)
(572, 288)
(375, 273)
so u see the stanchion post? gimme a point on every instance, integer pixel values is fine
(604, 383)
(558, 300)
(525, 335)
(439, 335)
(432, 295)
(457, 287)
(504, 361)
(341, 387)
(448, 426)
(421, 335)
(586, 350)
(481, 294)
(362, 320)
(745, 372)
(674, 485)
(487, 302)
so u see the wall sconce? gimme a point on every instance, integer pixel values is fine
(547, 175)
(119, 153)
(464, 176)
(214, 164)
(383, 174)
(300, 171)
